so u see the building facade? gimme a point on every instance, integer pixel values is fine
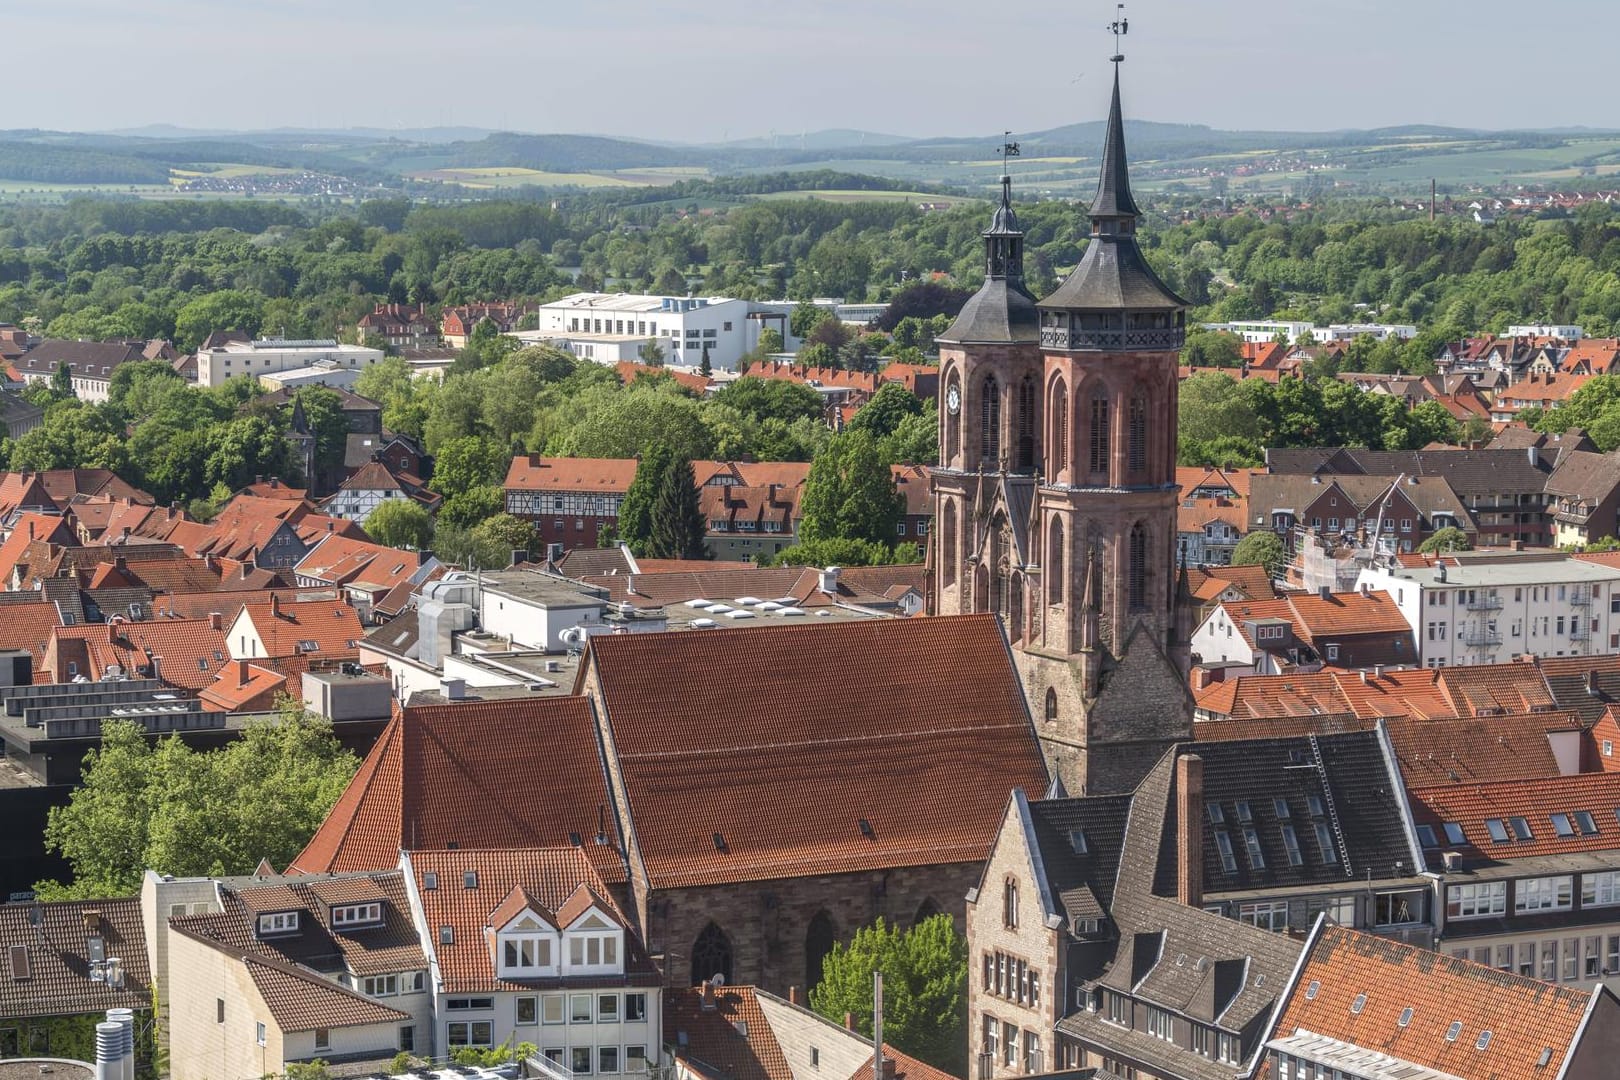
(1055, 499)
(272, 356)
(612, 327)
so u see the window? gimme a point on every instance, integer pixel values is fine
(1397, 908)
(1223, 844)
(1600, 890)
(579, 1009)
(447, 935)
(463, 1004)
(1251, 843)
(635, 1008)
(607, 1059)
(607, 1008)
(1426, 836)
(992, 1033)
(990, 422)
(260, 1034)
(1098, 456)
(380, 985)
(323, 1038)
(1543, 894)
(356, 914)
(1291, 846)
(1476, 900)
(1160, 1024)
(469, 880)
(530, 952)
(1454, 833)
(1453, 1031)
(551, 1009)
(1137, 435)
(1266, 915)
(1498, 831)
(407, 1037)
(282, 922)
(528, 1010)
(1009, 1045)
(1562, 826)
(1406, 1017)
(1009, 903)
(1521, 828)
(1137, 580)
(1217, 816)
(580, 1060)
(635, 1058)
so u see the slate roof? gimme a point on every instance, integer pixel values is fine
(1585, 685)
(1080, 882)
(58, 981)
(1535, 800)
(556, 878)
(478, 774)
(771, 776)
(1344, 775)
(1524, 1016)
(368, 950)
(1586, 475)
(1001, 311)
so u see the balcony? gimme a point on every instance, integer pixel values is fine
(1580, 630)
(1481, 639)
(1162, 340)
(1580, 598)
(1485, 603)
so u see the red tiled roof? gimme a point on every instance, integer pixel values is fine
(629, 371)
(189, 652)
(906, 1067)
(242, 687)
(770, 773)
(288, 627)
(1525, 1017)
(342, 560)
(733, 1040)
(58, 983)
(537, 473)
(478, 774)
(559, 882)
(1478, 749)
(1535, 800)
(31, 527)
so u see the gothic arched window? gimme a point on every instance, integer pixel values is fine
(1098, 457)
(925, 911)
(947, 542)
(1051, 705)
(1137, 569)
(989, 422)
(1137, 429)
(1060, 429)
(1026, 423)
(818, 942)
(1009, 903)
(711, 955)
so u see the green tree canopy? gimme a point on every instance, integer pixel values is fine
(1450, 538)
(181, 811)
(850, 493)
(1262, 548)
(886, 411)
(400, 523)
(924, 988)
(468, 462)
(677, 529)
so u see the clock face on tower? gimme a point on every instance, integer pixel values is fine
(953, 400)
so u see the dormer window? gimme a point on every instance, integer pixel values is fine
(280, 922)
(357, 915)
(594, 943)
(528, 952)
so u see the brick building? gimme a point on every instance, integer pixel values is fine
(1055, 499)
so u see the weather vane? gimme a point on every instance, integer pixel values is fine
(1120, 26)
(1009, 149)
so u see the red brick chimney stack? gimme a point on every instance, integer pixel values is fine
(1190, 827)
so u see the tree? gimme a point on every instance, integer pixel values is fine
(323, 411)
(770, 341)
(181, 811)
(762, 399)
(507, 534)
(850, 492)
(466, 508)
(227, 309)
(401, 523)
(805, 318)
(635, 512)
(889, 407)
(677, 529)
(823, 553)
(651, 353)
(62, 381)
(467, 463)
(924, 988)
(244, 448)
(1261, 549)
(1450, 538)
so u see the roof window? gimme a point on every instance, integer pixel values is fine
(1454, 833)
(1521, 828)
(1546, 1056)
(1426, 836)
(1244, 813)
(720, 844)
(430, 880)
(1583, 820)
(1561, 825)
(1483, 1041)
(469, 880)
(1077, 841)
(1453, 1031)
(1311, 990)
(1357, 1005)
(1406, 1017)
(1498, 831)
(1217, 816)
(1281, 807)
(447, 935)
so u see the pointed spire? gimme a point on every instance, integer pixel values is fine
(1093, 592)
(1113, 198)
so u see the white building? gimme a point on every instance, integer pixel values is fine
(1487, 607)
(1351, 331)
(1552, 330)
(269, 356)
(611, 327)
(1261, 331)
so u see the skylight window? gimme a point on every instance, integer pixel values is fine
(1244, 813)
(469, 880)
(1484, 1040)
(1426, 836)
(1546, 1056)
(1521, 828)
(1291, 846)
(1281, 807)
(1498, 831)
(1223, 844)
(1406, 1017)
(1561, 825)
(1217, 816)
(1454, 833)
(1314, 804)
(1357, 1005)
(1453, 1031)
(1077, 841)
(1583, 819)
(1311, 990)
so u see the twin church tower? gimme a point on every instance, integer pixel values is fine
(1055, 498)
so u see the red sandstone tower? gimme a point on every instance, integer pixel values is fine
(1055, 499)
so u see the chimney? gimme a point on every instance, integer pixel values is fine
(456, 690)
(120, 563)
(828, 580)
(888, 1067)
(849, 1021)
(1592, 684)
(216, 621)
(1190, 825)
(708, 996)
(275, 606)
(1325, 592)
(793, 996)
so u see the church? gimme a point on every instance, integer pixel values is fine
(1055, 497)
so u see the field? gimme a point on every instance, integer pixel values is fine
(836, 195)
(512, 177)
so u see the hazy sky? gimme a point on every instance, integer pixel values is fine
(712, 69)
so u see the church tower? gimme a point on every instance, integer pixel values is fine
(1059, 513)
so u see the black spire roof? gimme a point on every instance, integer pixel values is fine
(1003, 309)
(1113, 274)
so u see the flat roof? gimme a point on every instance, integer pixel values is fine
(537, 587)
(1499, 569)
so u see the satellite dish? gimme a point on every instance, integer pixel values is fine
(717, 980)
